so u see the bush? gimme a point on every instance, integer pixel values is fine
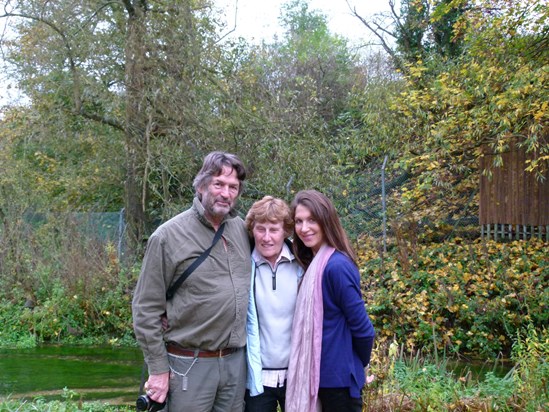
(66, 287)
(468, 298)
(531, 357)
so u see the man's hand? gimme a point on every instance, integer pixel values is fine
(164, 322)
(157, 387)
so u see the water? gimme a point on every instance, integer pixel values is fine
(95, 373)
(477, 370)
(108, 374)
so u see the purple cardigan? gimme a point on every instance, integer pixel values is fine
(348, 334)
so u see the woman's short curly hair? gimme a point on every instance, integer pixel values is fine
(273, 210)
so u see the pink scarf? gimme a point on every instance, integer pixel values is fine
(304, 369)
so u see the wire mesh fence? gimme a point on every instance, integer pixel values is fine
(363, 208)
(366, 204)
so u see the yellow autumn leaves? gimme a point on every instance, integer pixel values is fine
(469, 296)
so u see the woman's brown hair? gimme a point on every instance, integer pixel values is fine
(324, 212)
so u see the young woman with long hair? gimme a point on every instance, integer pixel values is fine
(332, 336)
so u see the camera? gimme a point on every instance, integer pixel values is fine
(144, 403)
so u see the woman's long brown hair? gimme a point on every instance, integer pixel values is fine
(324, 212)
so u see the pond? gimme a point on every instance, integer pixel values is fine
(108, 374)
(96, 373)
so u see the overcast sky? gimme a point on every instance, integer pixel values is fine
(258, 19)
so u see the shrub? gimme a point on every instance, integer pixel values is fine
(469, 298)
(531, 357)
(71, 287)
(406, 382)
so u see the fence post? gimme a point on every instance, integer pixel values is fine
(383, 203)
(289, 187)
(121, 233)
(517, 232)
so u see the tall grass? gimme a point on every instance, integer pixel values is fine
(416, 382)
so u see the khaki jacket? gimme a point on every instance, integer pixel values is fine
(208, 311)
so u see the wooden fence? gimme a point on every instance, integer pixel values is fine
(513, 203)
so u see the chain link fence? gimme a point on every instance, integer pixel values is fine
(366, 206)
(369, 208)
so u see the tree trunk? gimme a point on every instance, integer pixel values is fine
(135, 195)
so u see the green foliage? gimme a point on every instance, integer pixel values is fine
(531, 357)
(410, 34)
(446, 19)
(419, 382)
(65, 285)
(305, 102)
(483, 101)
(14, 333)
(497, 390)
(472, 298)
(421, 30)
(62, 316)
(92, 139)
(288, 96)
(59, 163)
(370, 127)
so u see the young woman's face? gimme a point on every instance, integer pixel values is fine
(308, 229)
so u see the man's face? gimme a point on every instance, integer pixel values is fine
(219, 197)
(269, 238)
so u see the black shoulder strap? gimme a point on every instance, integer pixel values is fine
(171, 291)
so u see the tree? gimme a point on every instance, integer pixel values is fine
(418, 30)
(282, 103)
(492, 96)
(142, 68)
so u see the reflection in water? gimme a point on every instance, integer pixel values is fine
(97, 373)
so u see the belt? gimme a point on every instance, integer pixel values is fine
(175, 349)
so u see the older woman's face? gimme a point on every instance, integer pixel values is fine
(308, 229)
(269, 238)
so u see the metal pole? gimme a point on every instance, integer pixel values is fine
(121, 233)
(289, 187)
(383, 203)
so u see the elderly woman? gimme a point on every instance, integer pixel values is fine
(274, 284)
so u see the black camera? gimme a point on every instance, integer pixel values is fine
(144, 403)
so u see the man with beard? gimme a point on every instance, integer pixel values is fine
(196, 361)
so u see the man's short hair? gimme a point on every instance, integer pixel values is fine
(213, 166)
